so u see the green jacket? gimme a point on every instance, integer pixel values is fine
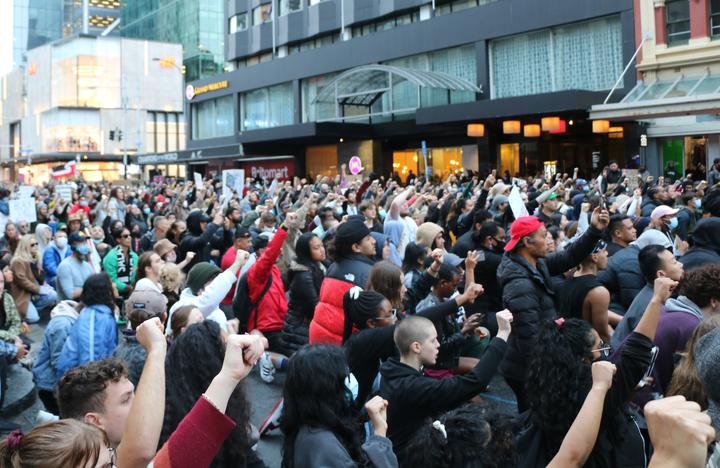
(110, 265)
(12, 319)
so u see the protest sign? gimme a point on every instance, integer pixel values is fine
(26, 191)
(232, 180)
(198, 179)
(64, 191)
(23, 209)
(516, 204)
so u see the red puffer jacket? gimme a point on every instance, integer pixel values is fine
(328, 322)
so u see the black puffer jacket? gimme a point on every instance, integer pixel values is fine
(528, 293)
(623, 278)
(304, 295)
(196, 240)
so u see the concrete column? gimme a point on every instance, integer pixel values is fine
(660, 26)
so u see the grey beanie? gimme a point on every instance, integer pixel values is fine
(707, 362)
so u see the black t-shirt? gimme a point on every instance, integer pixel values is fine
(573, 295)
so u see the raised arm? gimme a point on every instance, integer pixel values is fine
(144, 424)
(580, 439)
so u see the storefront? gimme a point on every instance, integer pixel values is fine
(91, 169)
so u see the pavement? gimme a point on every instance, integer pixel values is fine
(262, 397)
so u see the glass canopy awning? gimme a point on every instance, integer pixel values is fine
(665, 98)
(385, 89)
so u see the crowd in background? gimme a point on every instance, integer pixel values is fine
(389, 303)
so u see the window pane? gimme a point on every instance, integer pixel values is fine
(678, 20)
(262, 14)
(213, 118)
(288, 6)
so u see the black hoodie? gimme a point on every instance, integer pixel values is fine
(706, 244)
(195, 240)
(414, 398)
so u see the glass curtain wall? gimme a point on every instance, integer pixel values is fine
(213, 118)
(581, 56)
(268, 107)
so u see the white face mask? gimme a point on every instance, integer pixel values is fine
(61, 242)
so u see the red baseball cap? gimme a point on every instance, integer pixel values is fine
(520, 228)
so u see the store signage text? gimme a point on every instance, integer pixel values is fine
(270, 169)
(157, 158)
(192, 91)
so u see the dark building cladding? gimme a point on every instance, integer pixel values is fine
(323, 81)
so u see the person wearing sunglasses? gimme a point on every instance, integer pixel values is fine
(120, 263)
(560, 379)
(28, 288)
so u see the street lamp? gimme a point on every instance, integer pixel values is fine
(164, 61)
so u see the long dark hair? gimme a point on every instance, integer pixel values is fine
(385, 279)
(98, 290)
(559, 378)
(194, 359)
(315, 396)
(413, 254)
(304, 257)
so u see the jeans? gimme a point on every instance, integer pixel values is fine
(40, 303)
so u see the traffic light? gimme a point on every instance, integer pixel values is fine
(119, 133)
(112, 135)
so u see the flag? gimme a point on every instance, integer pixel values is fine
(67, 170)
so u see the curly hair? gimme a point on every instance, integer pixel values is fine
(685, 379)
(559, 377)
(699, 284)
(476, 438)
(194, 359)
(82, 389)
(314, 395)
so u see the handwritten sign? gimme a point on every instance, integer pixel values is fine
(26, 191)
(23, 209)
(64, 191)
(355, 165)
(198, 179)
(232, 180)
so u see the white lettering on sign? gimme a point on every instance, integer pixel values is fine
(259, 171)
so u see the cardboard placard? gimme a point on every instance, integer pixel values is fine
(26, 191)
(23, 209)
(198, 178)
(233, 180)
(516, 204)
(64, 191)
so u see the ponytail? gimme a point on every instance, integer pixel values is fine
(359, 306)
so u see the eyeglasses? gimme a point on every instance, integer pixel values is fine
(392, 316)
(604, 350)
(125, 236)
(34, 244)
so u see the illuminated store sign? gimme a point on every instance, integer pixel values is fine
(192, 91)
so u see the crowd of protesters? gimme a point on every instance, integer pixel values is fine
(389, 304)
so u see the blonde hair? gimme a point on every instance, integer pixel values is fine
(67, 442)
(23, 251)
(171, 277)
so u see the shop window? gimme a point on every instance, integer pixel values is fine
(150, 145)
(585, 56)
(213, 118)
(715, 18)
(238, 23)
(262, 14)
(268, 107)
(677, 21)
(321, 161)
(510, 158)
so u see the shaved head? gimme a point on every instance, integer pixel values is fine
(410, 330)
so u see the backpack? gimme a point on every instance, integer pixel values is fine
(242, 307)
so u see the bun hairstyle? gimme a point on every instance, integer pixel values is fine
(359, 306)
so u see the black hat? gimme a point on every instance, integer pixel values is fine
(241, 232)
(351, 232)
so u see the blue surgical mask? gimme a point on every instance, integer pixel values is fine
(82, 249)
(146, 211)
(381, 212)
(97, 241)
(586, 188)
(351, 388)
(698, 203)
(673, 224)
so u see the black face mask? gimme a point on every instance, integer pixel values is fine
(500, 247)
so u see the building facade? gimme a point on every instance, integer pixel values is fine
(196, 24)
(677, 96)
(414, 84)
(95, 100)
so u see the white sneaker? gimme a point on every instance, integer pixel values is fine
(273, 420)
(267, 369)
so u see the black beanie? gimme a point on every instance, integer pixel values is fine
(351, 232)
